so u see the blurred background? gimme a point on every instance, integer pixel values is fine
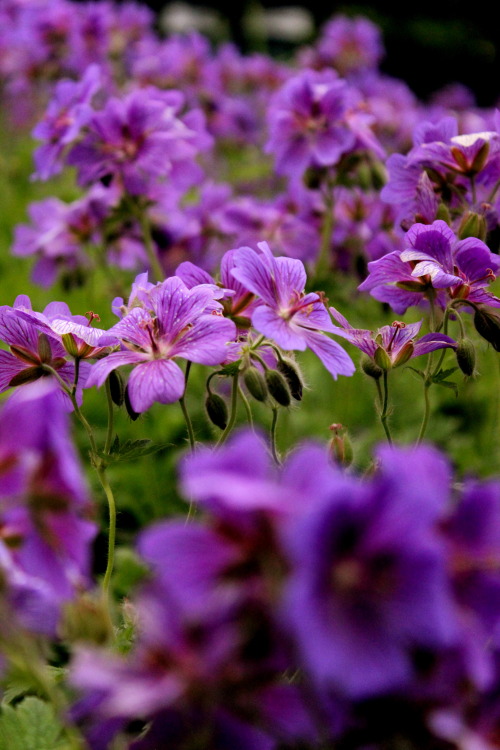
(427, 44)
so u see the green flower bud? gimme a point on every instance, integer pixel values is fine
(289, 369)
(472, 225)
(370, 368)
(256, 383)
(488, 326)
(382, 359)
(278, 387)
(216, 410)
(70, 344)
(466, 356)
(116, 387)
(443, 213)
(86, 619)
(341, 446)
(130, 411)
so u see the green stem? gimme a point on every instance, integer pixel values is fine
(425, 419)
(109, 432)
(247, 406)
(112, 527)
(384, 415)
(157, 270)
(491, 196)
(77, 375)
(273, 437)
(324, 258)
(473, 190)
(189, 424)
(232, 416)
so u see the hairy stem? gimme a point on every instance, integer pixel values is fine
(234, 405)
(189, 424)
(384, 414)
(274, 450)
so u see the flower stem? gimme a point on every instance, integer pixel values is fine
(323, 264)
(247, 406)
(156, 268)
(189, 424)
(427, 408)
(274, 450)
(109, 432)
(234, 404)
(384, 414)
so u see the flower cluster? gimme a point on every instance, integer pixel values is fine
(306, 607)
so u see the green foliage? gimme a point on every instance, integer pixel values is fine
(31, 725)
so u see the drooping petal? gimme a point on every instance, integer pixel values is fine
(103, 367)
(158, 380)
(335, 359)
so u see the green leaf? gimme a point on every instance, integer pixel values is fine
(131, 449)
(414, 370)
(443, 374)
(32, 725)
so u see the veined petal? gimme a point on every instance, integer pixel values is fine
(9, 367)
(206, 342)
(251, 271)
(335, 359)
(157, 380)
(283, 332)
(432, 341)
(177, 306)
(103, 367)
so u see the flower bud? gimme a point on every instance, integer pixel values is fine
(289, 369)
(472, 225)
(370, 368)
(216, 410)
(341, 446)
(128, 406)
(87, 619)
(116, 387)
(443, 213)
(488, 326)
(382, 359)
(278, 387)
(70, 344)
(466, 356)
(44, 348)
(404, 354)
(256, 383)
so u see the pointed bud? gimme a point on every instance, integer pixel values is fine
(70, 344)
(472, 225)
(466, 356)
(382, 359)
(256, 383)
(341, 446)
(216, 410)
(290, 371)
(481, 158)
(488, 326)
(443, 213)
(44, 348)
(116, 387)
(128, 406)
(404, 354)
(278, 387)
(379, 175)
(370, 368)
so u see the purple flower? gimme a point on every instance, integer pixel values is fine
(350, 44)
(175, 325)
(45, 536)
(293, 319)
(433, 262)
(142, 140)
(69, 110)
(368, 580)
(313, 123)
(31, 347)
(397, 340)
